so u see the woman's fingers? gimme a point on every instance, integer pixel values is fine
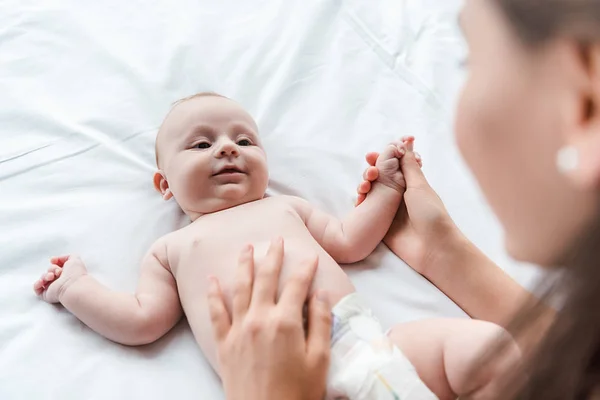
(372, 158)
(296, 289)
(419, 159)
(409, 141)
(244, 277)
(267, 275)
(219, 316)
(319, 327)
(411, 168)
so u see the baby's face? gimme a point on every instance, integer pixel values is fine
(210, 156)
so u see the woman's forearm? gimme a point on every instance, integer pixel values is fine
(482, 289)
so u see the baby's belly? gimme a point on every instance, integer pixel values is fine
(221, 260)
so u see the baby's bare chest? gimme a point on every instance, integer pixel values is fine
(213, 242)
(249, 221)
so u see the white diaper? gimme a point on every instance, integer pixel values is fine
(365, 364)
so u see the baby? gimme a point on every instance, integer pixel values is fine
(211, 161)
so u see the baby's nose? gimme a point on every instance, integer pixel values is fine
(228, 149)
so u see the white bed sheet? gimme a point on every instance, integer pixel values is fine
(84, 86)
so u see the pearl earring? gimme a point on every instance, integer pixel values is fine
(567, 159)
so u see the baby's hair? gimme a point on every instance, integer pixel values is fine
(178, 102)
(201, 94)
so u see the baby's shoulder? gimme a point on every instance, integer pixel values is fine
(166, 246)
(288, 200)
(162, 244)
(297, 204)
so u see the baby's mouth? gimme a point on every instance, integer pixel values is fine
(229, 171)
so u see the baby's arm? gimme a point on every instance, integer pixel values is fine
(130, 319)
(354, 238)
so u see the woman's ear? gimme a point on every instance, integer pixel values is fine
(162, 185)
(584, 141)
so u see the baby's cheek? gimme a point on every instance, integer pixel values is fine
(190, 187)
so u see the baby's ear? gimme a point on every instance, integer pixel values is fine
(161, 185)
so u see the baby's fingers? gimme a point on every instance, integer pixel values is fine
(55, 270)
(390, 152)
(38, 287)
(371, 174)
(372, 158)
(364, 187)
(60, 260)
(360, 199)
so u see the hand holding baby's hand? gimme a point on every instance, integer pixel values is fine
(386, 168)
(63, 272)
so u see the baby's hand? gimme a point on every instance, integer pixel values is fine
(388, 167)
(64, 271)
(373, 172)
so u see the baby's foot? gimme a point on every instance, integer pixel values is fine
(62, 272)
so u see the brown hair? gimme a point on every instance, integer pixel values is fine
(175, 104)
(537, 21)
(566, 364)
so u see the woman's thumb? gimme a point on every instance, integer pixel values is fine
(411, 169)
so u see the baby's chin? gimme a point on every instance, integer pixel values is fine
(228, 198)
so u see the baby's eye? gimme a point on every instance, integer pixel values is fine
(202, 145)
(244, 142)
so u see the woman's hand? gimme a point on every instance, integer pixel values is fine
(264, 351)
(422, 227)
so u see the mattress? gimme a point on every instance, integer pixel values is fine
(84, 86)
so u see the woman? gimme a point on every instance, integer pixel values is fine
(528, 126)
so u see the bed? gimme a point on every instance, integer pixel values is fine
(84, 86)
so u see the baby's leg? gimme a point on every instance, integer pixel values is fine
(444, 350)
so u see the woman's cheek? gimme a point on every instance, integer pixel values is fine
(463, 123)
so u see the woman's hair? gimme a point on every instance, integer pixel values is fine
(538, 21)
(566, 364)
